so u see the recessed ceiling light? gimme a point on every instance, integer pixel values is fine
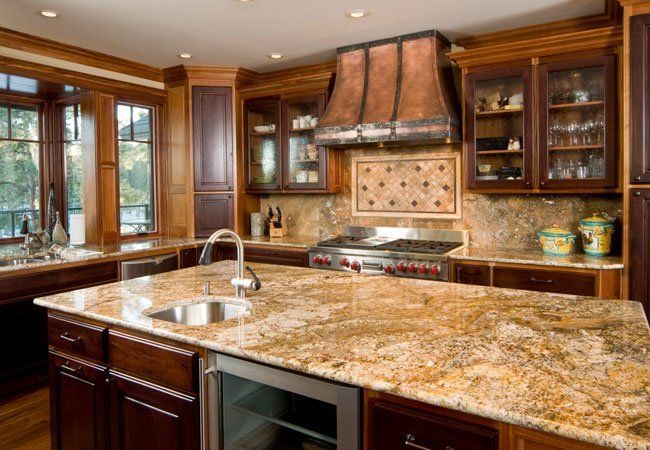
(49, 14)
(185, 55)
(357, 13)
(276, 55)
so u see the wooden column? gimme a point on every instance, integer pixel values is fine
(100, 182)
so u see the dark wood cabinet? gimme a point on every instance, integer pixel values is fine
(213, 138)
(640, 98)
(77, 404)
(639, 288)
(543, 280)
(491, 129)
(188, 257)
(577, 111)
(283, 256)
(467, 273)
(393, 424)
(212, 212)
(279, 150)
(144, 416)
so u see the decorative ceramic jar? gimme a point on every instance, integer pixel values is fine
(556, 241)
(596, 235)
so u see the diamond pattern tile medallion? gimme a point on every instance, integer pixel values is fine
(424, 186)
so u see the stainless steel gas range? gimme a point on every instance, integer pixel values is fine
(403, 252)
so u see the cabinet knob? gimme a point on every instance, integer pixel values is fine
(542, 183)
(637, 178)
(527, 183)
(409, 441)
(637, 193)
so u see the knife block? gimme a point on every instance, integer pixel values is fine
(278, 232)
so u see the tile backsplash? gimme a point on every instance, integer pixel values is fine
(493, 220)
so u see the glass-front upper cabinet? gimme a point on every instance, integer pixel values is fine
(262, 141)
(577, 129)
(498, 106)
(304, 161)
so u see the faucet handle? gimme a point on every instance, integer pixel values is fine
(257, 284)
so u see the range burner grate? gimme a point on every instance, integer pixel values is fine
(419, 246)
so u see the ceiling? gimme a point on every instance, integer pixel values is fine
(236, 33)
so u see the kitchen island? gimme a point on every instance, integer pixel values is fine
(576, 367)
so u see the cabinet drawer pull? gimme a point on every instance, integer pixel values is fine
(409, 441)
(271, 253)
(66, 337)
(67, 366)
(535, 280)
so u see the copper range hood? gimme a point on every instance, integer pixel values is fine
(396, 91)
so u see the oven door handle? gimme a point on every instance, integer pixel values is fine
(372, 265)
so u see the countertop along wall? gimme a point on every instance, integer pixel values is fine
(496, 220)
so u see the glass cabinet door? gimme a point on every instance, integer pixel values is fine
(262, 143)
(499, 136)
(577, 124)
(304, 161)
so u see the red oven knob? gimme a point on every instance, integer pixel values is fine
(318, 259)
(389, 269)
(401, 266)
(424, 268)
(413, 267)
(356, 266)
(435, 269)
(327, 260)
(344, 262)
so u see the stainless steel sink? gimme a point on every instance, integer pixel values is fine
(19, 261)
(201, 313)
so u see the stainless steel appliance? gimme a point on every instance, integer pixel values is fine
(403, 252)
(142, 267)
(254, 406)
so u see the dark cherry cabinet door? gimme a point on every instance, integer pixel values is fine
(640, 98)
(212, 212)
(394, 427)
(577, 111)
(640, 247)
(213, 138)
(188, 258)
(471, 274)
(144, 416)
(77, 404)
(488, 131)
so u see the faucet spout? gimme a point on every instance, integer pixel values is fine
(240, 282)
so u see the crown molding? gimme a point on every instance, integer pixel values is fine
(611, 16)
(551, 45)
(53, 49)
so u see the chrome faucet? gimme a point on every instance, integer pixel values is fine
(241, 283)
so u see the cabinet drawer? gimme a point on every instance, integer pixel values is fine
(163, 364)
(297, 258)
(76, 337)
(578, 283)
(398, 427)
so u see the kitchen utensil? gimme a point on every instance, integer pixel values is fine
(304, 123)
(505, 173)
(302, 176)
(516, 99)
(302, 154)
(295, 123)
(272, 127)
(596, 235)
(277, 208)
(556, 241)
(271, 213)
(313, 122)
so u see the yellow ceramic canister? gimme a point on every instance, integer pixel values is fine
(596, 235)
(556, 241)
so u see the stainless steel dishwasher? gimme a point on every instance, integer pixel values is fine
(142, 267)
(254, 406)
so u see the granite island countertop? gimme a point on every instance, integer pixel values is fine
(574, 366)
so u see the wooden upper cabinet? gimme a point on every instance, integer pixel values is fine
(498, 130)
(640, 98)
(577, 123)
(213, 138)
(640, 247)
(279, 150)
(262, 144)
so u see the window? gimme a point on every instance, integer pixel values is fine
(136, 166)
(20, 183)
(73, 162)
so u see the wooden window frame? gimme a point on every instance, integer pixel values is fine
(156, 159)
(43, 172)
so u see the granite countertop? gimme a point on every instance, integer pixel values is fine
(573, 366)
(536, 257)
